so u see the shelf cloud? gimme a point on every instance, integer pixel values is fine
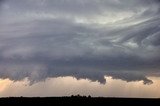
(80, 38)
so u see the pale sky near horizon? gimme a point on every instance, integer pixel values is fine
(67, 86)
(84, 39)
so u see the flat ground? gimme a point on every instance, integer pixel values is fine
(78, 101)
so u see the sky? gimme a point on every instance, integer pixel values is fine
(83, 39)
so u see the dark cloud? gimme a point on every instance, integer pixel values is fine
(80, 38)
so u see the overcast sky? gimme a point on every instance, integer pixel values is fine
(81, 38)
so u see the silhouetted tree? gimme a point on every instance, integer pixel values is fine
(89, 96)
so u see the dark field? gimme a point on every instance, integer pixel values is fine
(78, 101)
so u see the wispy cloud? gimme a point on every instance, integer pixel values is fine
(83, 38)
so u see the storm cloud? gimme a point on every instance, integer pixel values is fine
(80, 38)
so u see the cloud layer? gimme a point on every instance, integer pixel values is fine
(82, 38)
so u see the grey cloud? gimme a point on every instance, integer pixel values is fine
(130, 76)
(51, 38)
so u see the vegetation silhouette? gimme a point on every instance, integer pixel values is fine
(77, 100)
